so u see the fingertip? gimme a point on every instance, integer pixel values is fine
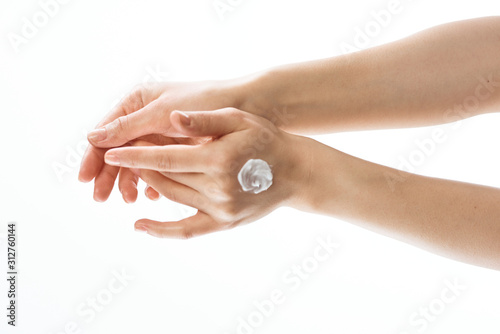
(143, 225)
(91, 164)
(112, 158)
(82, 178)
(95, 137)
(83, 172)
(140, 227)
(99, 197)
(129, 197)
(151, 193)
(184, 119)
(180, 120)
(152, 227)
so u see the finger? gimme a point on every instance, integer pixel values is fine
(148, 191)
(172, 190)
(174, 158)
(151, 193)
(197, 181)
(208, 123)
(92, 161)
(127, 184)
(104, 182)
(130, 103)
(93, 158)
(149, 120)
(193, 226)
(155, 139)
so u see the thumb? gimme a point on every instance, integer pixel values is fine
(215, 123)
(187, 228)
(148, 120)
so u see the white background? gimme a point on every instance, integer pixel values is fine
(69, 74)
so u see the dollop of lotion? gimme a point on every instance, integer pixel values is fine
(255, 176)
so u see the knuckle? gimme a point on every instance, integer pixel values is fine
(226, 188)
(236, 114)
(227, 205)
(232, 208)
(108, 174)
(172, 195)
(165, 163)
(201, 202)
(133, 100)
(120, 128)
(213, 189)
(229, 211)
(219, 192)
(231, 110)
(224, 160)
(202, 121)
(186, 233)
(137, 91)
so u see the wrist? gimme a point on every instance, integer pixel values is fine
(255, 94)
(344, 186)
(327, 180)
(302, 175)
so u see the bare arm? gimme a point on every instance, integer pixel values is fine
(439, 75)
(454, 219)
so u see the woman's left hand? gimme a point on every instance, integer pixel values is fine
(205, 176)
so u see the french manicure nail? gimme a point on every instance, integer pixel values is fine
(140, 228)
(126, 196)
(97, 135)
(185, 119)
(148, 195)
(112, 159)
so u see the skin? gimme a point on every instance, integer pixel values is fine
(204, 176)
(137, 117)
(408, 83)
(428, 78)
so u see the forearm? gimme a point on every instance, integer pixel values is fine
(454, 219)
(432, 77)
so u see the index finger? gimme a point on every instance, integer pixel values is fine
(171, 158)
(93, 158)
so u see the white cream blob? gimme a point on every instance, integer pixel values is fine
(255, 176)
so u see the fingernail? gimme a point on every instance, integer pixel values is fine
(97, 198)
(112, 159)
(149, 196)
(185, 119)
(81, 179)
(127, 198)
(140, 228)
(97, 135)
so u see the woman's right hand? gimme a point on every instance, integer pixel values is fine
(216, 177)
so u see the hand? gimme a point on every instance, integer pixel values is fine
(204, 176)
(143, 112)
